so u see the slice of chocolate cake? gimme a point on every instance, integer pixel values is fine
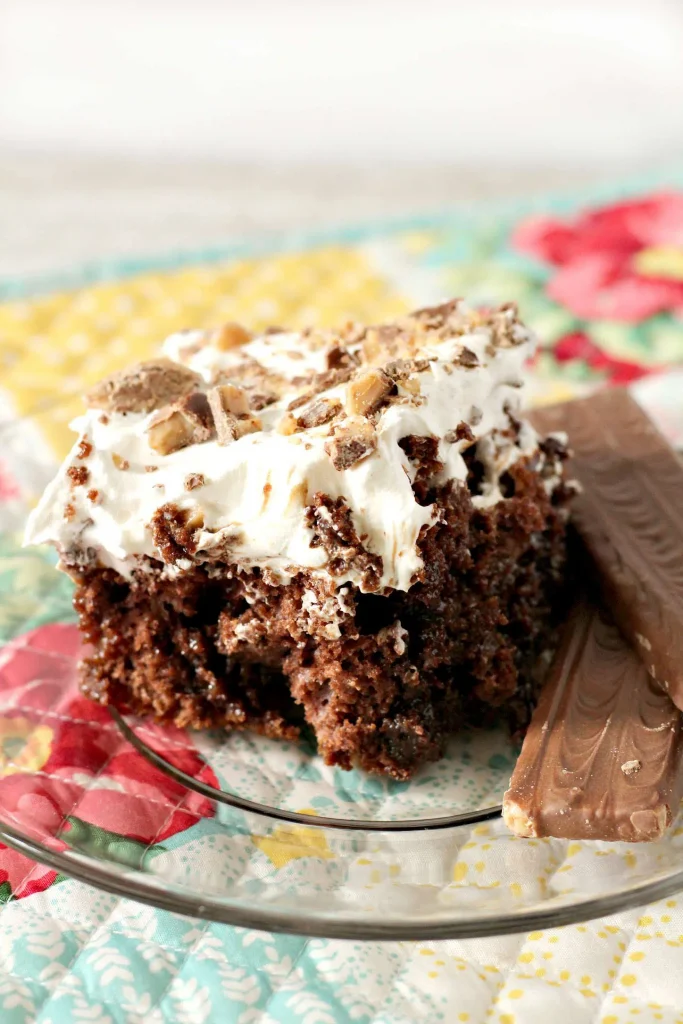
(349, 527)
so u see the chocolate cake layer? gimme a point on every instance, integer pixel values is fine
(223, 647)
(630, 516)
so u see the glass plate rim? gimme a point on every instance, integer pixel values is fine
(135, 885)
(132, 885)
(300, 817)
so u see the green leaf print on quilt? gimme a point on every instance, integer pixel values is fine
(103, 844)
(32, 592)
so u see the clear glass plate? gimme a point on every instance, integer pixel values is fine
(260, 833)
(237, 828)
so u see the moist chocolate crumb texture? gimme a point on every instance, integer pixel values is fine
(351, 528)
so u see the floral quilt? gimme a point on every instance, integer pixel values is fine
(600, 278)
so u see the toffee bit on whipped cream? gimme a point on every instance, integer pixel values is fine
(229, 407)
(229, 336)
(367, 393)
(287, 425)
(401, 369)
(169, 431)
(467, 358)
(119, 461)
(317, 413)
(193, 481)
(94, 495)
(259, 400)
(350, 444)
(505, 328)
(412, 386)
(69, 511)
(338, 356)
(437, 316)
(233, 400)
(318, 383)
(143, 387)
(196, 409)
(379, 342)
(187, 422)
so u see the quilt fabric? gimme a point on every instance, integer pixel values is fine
(601, 280)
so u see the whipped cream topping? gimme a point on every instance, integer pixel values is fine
(253, 492)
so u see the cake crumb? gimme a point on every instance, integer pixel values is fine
(631, 767)
(462, 432)
(84, 448)
(267, 491)
(119, 461)
(173, 530)
(77, 475)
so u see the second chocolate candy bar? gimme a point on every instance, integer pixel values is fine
(603, 756)
(630, 516)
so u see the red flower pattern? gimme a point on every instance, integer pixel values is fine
(9, 489)
(66, 760)
(622, 262)
(578, 346)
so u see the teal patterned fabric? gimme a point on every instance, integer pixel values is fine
(33, 593)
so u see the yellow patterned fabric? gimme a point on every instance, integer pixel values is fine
(53, 348)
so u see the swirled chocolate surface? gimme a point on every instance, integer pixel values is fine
(630, 516)
(602, 758)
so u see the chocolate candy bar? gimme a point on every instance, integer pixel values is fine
(602, 758)
(630, 516)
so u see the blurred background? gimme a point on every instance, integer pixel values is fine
(144, 125)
